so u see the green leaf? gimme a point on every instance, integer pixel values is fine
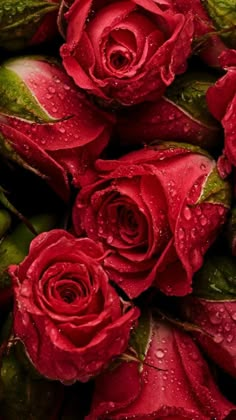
(20, 19)
(216, 280)
(16, 99)
(25, 396)
(223, 14)
(188, 92)
(216, 190)
(140, 337)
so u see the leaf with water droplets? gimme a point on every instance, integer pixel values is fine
(19, 20)
(216, 280)
(215, 190)
(189, 93)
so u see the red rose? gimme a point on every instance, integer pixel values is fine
(70, 319)
(182, 390)
(158, 210)
(221, 100)
(49, 123)
(126, 51)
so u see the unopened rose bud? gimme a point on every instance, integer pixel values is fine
(27, 22)
(180, 115)
(212, 308)
(47, 125)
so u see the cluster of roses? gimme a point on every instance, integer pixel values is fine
(141, 149)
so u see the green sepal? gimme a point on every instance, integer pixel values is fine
(223, 14)
(16, 99)
(188, 92)
(25, 396)
(216, 280)
(20, 19)
(140, 337)
(216, 190)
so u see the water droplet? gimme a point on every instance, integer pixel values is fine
(229, 338)
(218, 338)
(215, 318)
(234, 316)
(160, 354)
(203, 220)
(109, 239)
(187, 213)
(202, 166)
(181, 234)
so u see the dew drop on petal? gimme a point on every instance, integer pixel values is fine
(187, 213)
(160, 354)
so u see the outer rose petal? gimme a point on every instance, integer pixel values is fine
(184, 389)
(67, 341)
(217, 319)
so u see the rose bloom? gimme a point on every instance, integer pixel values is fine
(221, 99)
(174, 383)
(54, 128)
(147, 209)
(70, 319)
(126, 51)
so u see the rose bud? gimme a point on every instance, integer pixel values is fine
(48, 122)
(27, 22)
(25, 396)
(180, 115)
(15, 246)
(157, 210)
(207, 43)
(213, 309)
(221, 99)
(172, 382)
(126, 52)
(70, 319)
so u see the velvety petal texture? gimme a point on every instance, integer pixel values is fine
(180, 115)
(125, 51)
(70, 319)
(213, 309)
(221, 100)
(62, 133)
(154, 210)
(172, 383)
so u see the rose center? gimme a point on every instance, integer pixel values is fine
(68, 295)
(119, 60)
